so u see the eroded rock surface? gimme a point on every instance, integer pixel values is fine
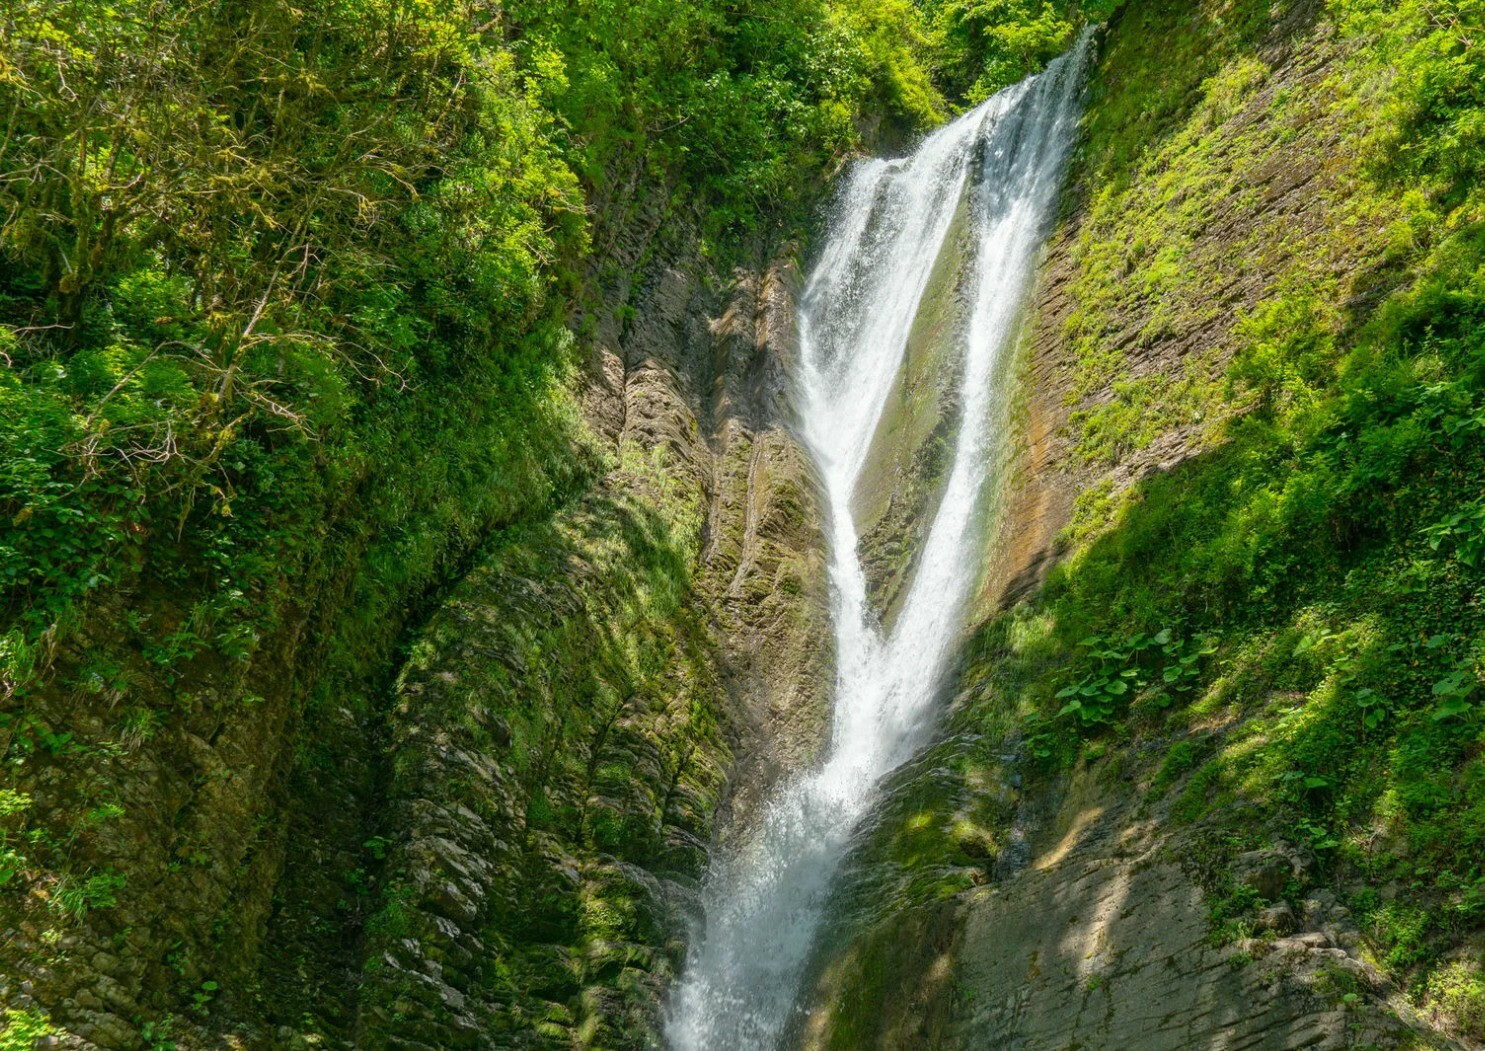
(498, 845)
(565, 733)
(1092, 929)
(1113, 337)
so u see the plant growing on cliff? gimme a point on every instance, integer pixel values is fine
(21, 1030)
(1462, 533)
(1326, 524)
(249, 255)
(285, 294)
(1124, 668)
(13, 806)
(74, 897)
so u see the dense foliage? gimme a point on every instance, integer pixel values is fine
(249, 251)
(980, 46)
(258, 258)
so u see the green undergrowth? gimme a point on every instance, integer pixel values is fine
(1189, 241)
(20, 1030)
(1295, 611)
(237, 354)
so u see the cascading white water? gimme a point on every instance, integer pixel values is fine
(764, 903)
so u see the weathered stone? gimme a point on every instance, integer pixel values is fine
(550, 802)
(1268, 871)
(1092, 930)
(1101, 941)
(1279, 918)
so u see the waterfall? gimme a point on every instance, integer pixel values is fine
(1005, 160)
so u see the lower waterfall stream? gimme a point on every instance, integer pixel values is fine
(1004, 162)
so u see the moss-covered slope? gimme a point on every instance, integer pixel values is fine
(565, 727)
(1231, 658)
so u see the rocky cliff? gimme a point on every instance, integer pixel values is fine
(567, 727)
(1125, 894)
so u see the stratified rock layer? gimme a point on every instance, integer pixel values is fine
(565, 728)
(497, 845)
(1093, 931)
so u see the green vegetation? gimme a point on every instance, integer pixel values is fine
(981, 46)
(278, 282)
(1281, 265)
(577, 655)
(1326, 546)
(1121, 669)
(20, 1030)
(749, 106)
(254, 264)
(285, 294)
(293, 304)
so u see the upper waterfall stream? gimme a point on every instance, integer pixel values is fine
(1004, 162)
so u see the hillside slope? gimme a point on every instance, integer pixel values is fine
(1211, 776)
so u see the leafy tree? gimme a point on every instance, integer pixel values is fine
(982, 46)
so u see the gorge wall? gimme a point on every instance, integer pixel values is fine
(566, 727)
(1248, 387)
(1017, 891)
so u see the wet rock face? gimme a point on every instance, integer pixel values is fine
(910, 454)
(1119, 939)
(763, 561)
(1110, 922)
(1102, 937)
(564, 739)
(551, 796)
